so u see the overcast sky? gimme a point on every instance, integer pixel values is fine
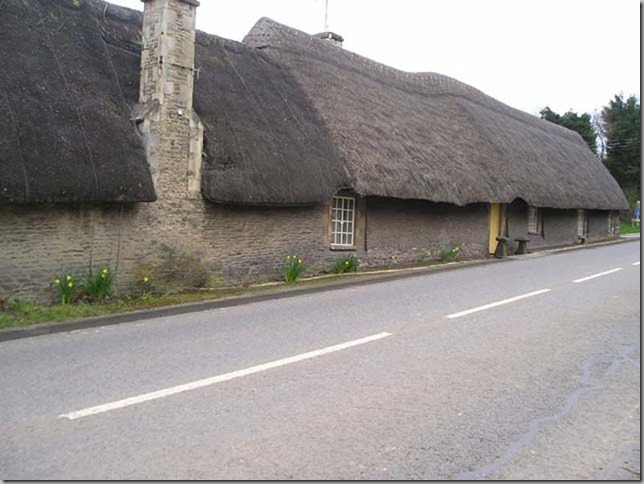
(566, 54)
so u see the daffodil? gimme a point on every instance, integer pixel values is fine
(71, 284)
(299, 261)
(146, 279)
(56, 281)
(69, 278)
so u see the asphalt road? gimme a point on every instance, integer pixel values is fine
(508, 370)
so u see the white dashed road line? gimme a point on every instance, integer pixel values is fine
(583, 279)
(126, 402)
(636, 263)
(498, 303)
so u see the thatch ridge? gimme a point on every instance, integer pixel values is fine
(68, 90)
(428, 136)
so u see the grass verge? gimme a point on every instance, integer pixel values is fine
(24, 312)
(629, 229)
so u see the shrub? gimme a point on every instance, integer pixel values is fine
(292, 268)
(391, 262)
(100, 285)
(346, 264)
(450, 255)
(65, 287)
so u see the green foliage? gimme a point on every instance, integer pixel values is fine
(346, 264)
(99, 285)
(423, 257)
(392, 262)
(450, 255)
(629, 228)
(22, 307)
(621, 125)
(139, 40)
(65, 287)
(581, 124)
(292, 268)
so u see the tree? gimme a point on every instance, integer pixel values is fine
(621, 122)
(581, 124)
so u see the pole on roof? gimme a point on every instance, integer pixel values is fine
(326, 16)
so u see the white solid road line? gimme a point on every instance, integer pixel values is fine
(498, 303)
(636, 263)
(126, 402)
(597, 275)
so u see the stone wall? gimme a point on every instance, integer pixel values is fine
(406, 229)
(176, 245)
(598, 224)
(558, 227)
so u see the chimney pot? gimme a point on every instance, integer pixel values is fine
(331, 37)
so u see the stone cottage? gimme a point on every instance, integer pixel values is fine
(131, 140)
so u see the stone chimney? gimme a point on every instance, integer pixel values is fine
(334, 38)
(173, 131)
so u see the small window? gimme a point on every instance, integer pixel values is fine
(343, 214)
(582, 223)
(533, 220)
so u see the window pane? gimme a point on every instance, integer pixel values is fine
(342, 220)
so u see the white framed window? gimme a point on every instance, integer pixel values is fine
(343, 216)
(533, 220)
(582, 223)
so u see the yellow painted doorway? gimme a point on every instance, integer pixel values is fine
(495, 225)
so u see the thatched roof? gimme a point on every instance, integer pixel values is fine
(427, 136)
(289, 119)
(65, 96)
(264, 143)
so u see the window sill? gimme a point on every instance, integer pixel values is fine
(347, 248)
